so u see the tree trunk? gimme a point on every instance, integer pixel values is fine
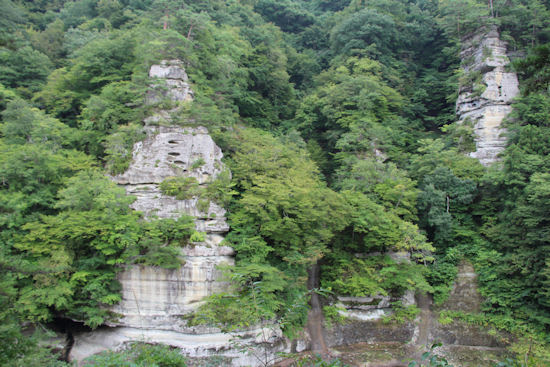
(165, 21)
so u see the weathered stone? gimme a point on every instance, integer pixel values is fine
(156, 298)
(174, 86)
(194, 345)
(466, 356)
(172, 151)
(460, 333)
(369, 332)
(365, 303)
(487, 55)
(464, 295)
(169, 152)
(168, 69)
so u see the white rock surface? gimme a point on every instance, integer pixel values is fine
(157, 298)
(154, 300)
(371, 315)
(371, 308)
(170, 152)
(174, 82)
(240, 347)
(486, 53)
(168, 69)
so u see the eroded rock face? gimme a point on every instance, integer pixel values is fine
(192, 345)
(157, 297)
(170, 152)
(156, 300)
(464, 295)
(174, 84)
(467, 344)
(486, 102)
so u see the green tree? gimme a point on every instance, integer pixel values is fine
(10, 17)
(81, 246)
(98, 63)
(288, 15)
(25, 69)
(50, 41)
(442, 193)
(462, 17)
(366, 32)
(281, 222)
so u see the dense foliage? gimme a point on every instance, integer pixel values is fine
(337, 122)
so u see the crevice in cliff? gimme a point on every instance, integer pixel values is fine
(423, 302)
(67, 327)
(315, 317)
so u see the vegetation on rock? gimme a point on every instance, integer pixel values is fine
(336, 121)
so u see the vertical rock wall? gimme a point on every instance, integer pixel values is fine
(157, 297)
(486, 92)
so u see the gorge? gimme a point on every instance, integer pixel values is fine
(284, 183)
(155, 301)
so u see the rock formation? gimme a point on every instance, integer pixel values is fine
(467, 344)
(175, 82)
(170, 84)
(174, 152)
(156, 297)
(486, 92)
(154, 300)
(367, 340)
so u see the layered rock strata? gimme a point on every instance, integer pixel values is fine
(155, 300)
(467, 344)
(486, 92)
(170, 86)
(173, 82)
(366, 337)
(174, 152)
(156, 297)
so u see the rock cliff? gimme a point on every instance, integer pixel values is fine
(486, 92)
(170, 84)
(174, 152)
(367, 340)
(155, 299)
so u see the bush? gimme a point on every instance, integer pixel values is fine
(140, 355)
(183, 188)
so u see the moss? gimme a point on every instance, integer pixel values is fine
(333, 316)
(469, 80)
(401, 314)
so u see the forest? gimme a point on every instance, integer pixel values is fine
(337, 121)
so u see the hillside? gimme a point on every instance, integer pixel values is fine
(355, 179)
